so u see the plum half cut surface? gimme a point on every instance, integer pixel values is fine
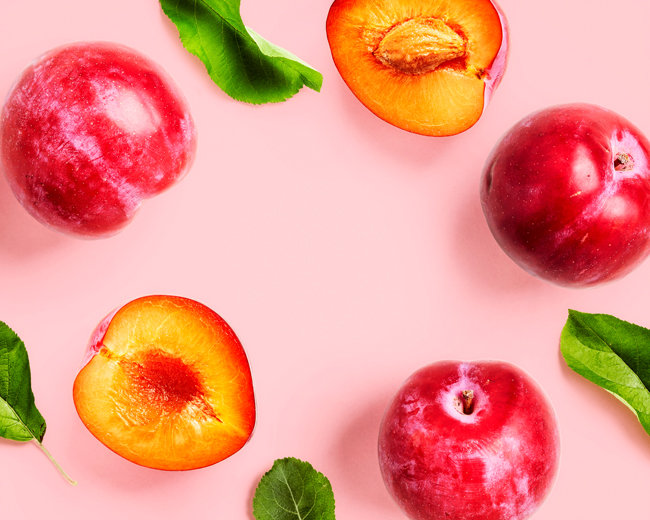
(428, 67)
(166, 385)
(90, 130)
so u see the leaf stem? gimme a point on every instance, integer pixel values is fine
(56, 464)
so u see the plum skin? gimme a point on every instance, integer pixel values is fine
(559, 201)
(496, 463)
(88, 131)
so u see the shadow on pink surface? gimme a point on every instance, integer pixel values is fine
(417, 153)
(484, 261)
(619, 413)
(96, 465)
(356, 459)
(20, 234)
(10, 442)
(249, 504)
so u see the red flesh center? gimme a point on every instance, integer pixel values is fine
(165, 380)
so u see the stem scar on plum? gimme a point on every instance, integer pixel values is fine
(464, 402)
(623, 162)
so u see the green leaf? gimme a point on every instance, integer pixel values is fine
(245, 65)
(612, 353)
(20, 420)
(293, 490)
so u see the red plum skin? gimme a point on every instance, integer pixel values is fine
(566, 194)
(89, 131)
(495, 460)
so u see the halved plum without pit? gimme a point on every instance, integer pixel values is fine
(167, 385)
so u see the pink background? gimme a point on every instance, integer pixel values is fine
(344, 252)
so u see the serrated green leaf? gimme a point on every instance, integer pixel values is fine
(243, 64)
(612, 353)
(293, 490)
(20, 420)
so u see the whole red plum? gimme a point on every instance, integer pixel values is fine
(90, 130)
(566, 194)
(469, 441)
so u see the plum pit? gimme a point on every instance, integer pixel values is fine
(420, 45)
